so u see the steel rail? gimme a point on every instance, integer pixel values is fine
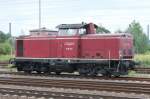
(83, 85)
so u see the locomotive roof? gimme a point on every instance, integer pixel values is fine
(118, 35)
(73, 26)
(42, 30)
(112, 35)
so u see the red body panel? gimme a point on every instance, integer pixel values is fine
(84, 47)
(100, 48)
(69, 48)
(36, 48)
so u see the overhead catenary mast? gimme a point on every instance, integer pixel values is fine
(39, 15)
(10, 29)
(148, 31)
(11, 40)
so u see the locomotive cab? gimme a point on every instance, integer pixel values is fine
(76, 29)
(71, 32)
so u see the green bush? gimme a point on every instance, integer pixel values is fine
(4, 58)
(144, 59)
(5, 48)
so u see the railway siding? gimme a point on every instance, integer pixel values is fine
(126, 85)
(139, 88)
(71, 93)
(142, 70)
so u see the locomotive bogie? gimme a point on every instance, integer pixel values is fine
(86, 67)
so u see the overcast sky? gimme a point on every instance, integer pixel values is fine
(112, 14)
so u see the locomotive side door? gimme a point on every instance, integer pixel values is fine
(59, 48)
(19, 48)
(70, 48)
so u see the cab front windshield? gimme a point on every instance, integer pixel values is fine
(71, 32)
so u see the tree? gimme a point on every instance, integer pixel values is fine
(140, 40)
(101, 29)
(2, 37)
(5, 46)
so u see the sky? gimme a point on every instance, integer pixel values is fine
(112, 14)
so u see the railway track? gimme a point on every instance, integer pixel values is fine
(85, 84)
(3, 64)
(143, 70)
(139, 88)
(52, 95)
(72, 76)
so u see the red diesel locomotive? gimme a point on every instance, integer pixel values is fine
(75, 48)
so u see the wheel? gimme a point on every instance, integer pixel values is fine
(27, 71)
(39, 72)
(57, 73)
(19, 68)
(48, 73)
(82, 72)
(107, 74)
(116, 76)
(93, 72)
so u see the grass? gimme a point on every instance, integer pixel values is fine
(144, 59)
(4, 58)
(134, 74)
